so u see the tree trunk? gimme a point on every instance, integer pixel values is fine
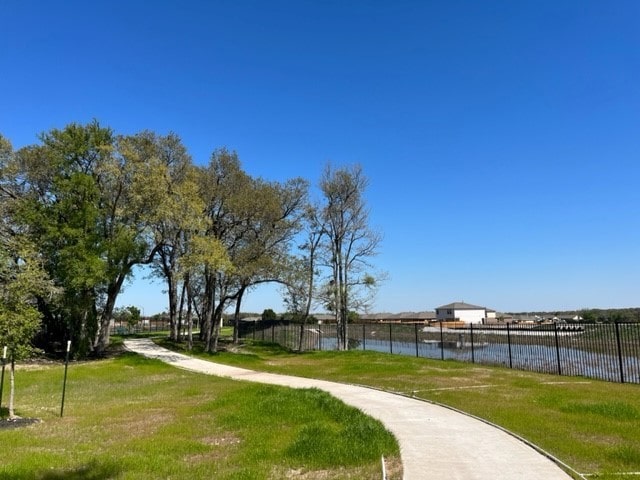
(217, 324)
(189, 318)
(173, 307)
(179, 323)
(208, 310)
(102, 341)
(12, 388)
(236, 316)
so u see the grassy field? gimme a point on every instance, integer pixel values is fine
(590, 425)
(132, 418)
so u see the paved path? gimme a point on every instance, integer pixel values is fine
(435, 443)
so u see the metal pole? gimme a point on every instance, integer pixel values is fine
(619, 352)
(364, 337)
(441, 342)
(4, 362)
(555, 326)
(415, 325)
(64, 383)
(390, 340)
(473, 356)
(509, 342)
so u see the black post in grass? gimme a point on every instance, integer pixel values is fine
(4, 362)
(64, 383)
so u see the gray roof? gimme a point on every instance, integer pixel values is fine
(460, 306)
(415, 315)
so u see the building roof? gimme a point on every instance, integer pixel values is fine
(415, 316)
(460, 306)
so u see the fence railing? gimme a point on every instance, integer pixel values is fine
(124, 328)
(604, 351)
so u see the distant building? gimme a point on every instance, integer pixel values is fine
(404, 317)
(461, 312)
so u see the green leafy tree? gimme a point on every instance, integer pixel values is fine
(22, 277)
(129, 315)
(86, 198)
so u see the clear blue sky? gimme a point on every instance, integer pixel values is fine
(501, 138)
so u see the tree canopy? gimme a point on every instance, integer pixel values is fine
(87, 205)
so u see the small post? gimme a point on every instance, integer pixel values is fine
(390, 340)
(64, 383)
(4, 362)
(509, 342)
(415, 327)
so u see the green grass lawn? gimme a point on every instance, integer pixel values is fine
(132, 418)
(592, 426)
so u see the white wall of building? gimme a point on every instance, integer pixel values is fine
(463, 315)
(471, 316)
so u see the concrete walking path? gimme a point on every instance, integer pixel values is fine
(436, 443)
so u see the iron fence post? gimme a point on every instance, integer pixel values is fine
(364, 337)
(555, 327)
(441, 342)
(619, 352)
(473, 357)
(416, 332)
(302, 337)
(390, 340)
(509, 343)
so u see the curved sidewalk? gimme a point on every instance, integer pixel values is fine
(435, 443)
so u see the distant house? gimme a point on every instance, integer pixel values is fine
(461, 312)
(404, 317)
(568, 317)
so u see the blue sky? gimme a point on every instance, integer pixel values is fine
(500, 138)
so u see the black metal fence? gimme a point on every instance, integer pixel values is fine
(124, 328)
(604, 351)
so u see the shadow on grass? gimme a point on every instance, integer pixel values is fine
(95, 470)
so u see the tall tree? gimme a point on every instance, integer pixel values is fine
(86, 197)
(60, 210)
(300, 276)
(272, 218)
(350, 244)
(22, 278)
(255, 220)
(178, 216)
